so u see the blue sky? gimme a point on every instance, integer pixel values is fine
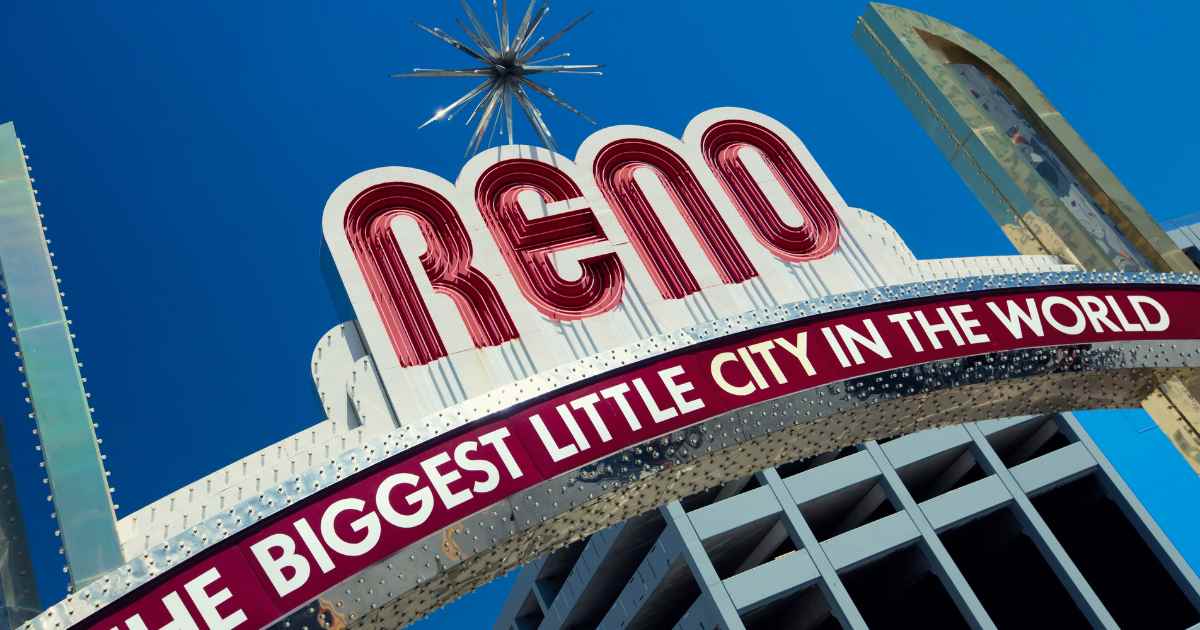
(184, 152)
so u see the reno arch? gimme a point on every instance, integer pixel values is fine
(546, 346)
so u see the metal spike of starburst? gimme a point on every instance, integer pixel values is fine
(508, 66)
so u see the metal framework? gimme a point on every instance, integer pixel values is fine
(74, 466)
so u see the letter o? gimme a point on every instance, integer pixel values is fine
(1048, 313)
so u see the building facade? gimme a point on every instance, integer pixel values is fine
(993, 524)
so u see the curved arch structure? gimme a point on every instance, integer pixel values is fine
(385, 533)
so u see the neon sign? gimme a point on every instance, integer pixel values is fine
(714, 293)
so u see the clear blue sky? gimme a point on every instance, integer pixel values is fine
(184, 152)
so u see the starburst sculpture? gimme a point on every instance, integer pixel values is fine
(508, 65)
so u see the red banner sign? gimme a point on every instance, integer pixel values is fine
(290, 558)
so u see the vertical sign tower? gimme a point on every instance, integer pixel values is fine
(74, 467)
(1050, 193)
(18, 590)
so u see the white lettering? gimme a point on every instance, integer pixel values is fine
(588, 405)
(421, 499)
(1164, 320)
(181, 619)
(755, 373)
(616, 393)
(798, 350)
(1097, 313)
(905, 321)
(719, 375)
(933, 330)
(1126, 325)
(368, 522)
(557, 453)
(763, 350)
(495, 439)
(656, 413)
(836, 347)
(441, 481)
(324, 562)
(207, 603)
(1048, 305)
(462, 457)
(568, 419)
(677, 389)
(1016, 318)
(967, 324)
(274, 566)
(853, 340)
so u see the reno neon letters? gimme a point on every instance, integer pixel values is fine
(555, 224)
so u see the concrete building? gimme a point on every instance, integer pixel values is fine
(1005, 523)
